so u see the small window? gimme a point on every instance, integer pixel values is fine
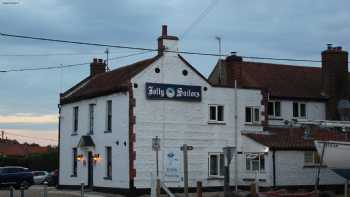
(157, 70)
(216, 164)
(74, 161)
(299, 110)
(274, 109)
(75, 119)
(185, 72)
(311, 158)
(255, 162)
(216, 113)
(252, 115)
(109, 116)
(91, 118)
(109, 162)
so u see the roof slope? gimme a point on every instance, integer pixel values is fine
(106, 83)
(293, 138)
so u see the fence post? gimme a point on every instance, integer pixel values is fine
(82, 190)
(158, 187)
(253, 189)
(22, 192)
(11, 191)
(45, 188)
(199, 189)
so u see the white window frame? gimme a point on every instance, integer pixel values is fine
(216, 106)
(217, 154)
(315, 158)
(252, 115)
(299, 110)
(274, 109)
(248, 155)
(109, 114)
(75, 119)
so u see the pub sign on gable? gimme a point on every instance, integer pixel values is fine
(161, 91)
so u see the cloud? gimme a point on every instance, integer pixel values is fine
(25, 118)
(42, 137)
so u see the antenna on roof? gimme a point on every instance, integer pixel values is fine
(107, 58)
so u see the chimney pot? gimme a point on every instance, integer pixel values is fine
(95, 60)
(164, 30)
(100, 61)
(233, 53)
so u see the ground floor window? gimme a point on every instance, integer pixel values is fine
(311, 158)
(216, 164)
(255, 162)
(108, 162)
(75, 161)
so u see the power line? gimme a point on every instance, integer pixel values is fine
(149, 49)
(56, 54)
(68, 65)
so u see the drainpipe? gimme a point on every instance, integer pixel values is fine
(274, 168)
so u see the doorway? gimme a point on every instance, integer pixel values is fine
(90, 170)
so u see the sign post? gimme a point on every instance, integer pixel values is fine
(184, 149)
(228, 153)
(156, 148)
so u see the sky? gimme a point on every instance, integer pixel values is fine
(266, 28)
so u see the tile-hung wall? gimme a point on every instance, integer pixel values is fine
(282, 111)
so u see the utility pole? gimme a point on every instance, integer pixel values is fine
(220, 66)
(228, 152)
(107, 59)
(236, 137)
(156, 148)
(184, 149)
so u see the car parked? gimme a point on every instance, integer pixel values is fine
(40, 177)
(19, 177)
(53, 178)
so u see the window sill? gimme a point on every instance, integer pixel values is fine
(217, 122)
(108, 131)
(107, 178)
(252, 124)
(313, 166)
(74, 134)
(215, 178)
(275, 118)
(73, 175)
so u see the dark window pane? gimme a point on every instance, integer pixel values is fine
(91, 118)
(255, 165)
(220, 113)
(75, 118)
(270, 109)
(256, 115)
(262, 162)
(248, 114)
(212, 113)
(277, 109)
(295, 110)
(109, 161)
(302, 110)
(213, 165)
(221, 164)
(247, 163)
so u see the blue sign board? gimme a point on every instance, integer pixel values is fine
(173, 92)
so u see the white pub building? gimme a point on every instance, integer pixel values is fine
(108, 120)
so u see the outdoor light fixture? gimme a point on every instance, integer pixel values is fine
(80, 157)
(96, 157)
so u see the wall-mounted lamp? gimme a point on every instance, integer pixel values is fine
(80, 157)
(96, 157)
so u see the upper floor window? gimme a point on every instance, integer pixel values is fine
(274, 109)
(311, 158)
(216, 164)
(216, 113)
(109, 116)
(255, 162)
(75, 119)
(299, 110)
(91, 118)
(252, 115)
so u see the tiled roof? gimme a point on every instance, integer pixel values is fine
(20, 150)
(293, 138)
(106, 83)
(280, 80)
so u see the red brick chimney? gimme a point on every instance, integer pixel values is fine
(335, 84)
(162, 45)
(97, 66)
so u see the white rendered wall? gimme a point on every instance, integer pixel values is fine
(120, 153)
(290, 170)
(179, 122)
(314, 111)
